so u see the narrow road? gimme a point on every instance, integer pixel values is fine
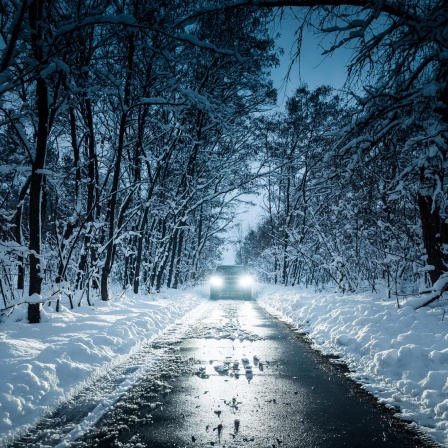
(240, 378)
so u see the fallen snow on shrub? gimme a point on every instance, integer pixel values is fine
(399, 354)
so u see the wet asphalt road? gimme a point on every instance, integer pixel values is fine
(203, 393)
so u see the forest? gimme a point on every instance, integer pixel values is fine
(131, 130)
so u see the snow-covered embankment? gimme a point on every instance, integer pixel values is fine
(400, 355)
(41, 364)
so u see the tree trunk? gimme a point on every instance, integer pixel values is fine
(105, 273)
(435, 236)
(159, 265)
(91, 199)
(177, 267)
(433, 218)
(72, 221)
(18, 233)
(173, 247)
(37, 178)
(36, 188)
(114, 191)
(138, 258)
(195, 263)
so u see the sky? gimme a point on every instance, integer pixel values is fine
(314, 68)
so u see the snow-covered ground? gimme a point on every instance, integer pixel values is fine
(44, 364)
(400, 355)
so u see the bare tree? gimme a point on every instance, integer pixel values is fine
(398, 75)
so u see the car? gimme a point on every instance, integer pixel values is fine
(231, 282)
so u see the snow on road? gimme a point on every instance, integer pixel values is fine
(400, 355)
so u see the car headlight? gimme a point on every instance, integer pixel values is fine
(216, 281)
(245, 281)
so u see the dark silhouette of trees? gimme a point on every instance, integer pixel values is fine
(130, 130)
(127, 126)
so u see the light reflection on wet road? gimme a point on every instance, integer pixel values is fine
(240, 378)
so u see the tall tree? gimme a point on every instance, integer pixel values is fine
(38, 38)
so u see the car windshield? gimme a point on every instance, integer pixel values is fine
(230, 270)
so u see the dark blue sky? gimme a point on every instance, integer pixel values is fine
(315, 69)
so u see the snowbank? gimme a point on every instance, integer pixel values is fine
(42, 363)
(400, 355)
